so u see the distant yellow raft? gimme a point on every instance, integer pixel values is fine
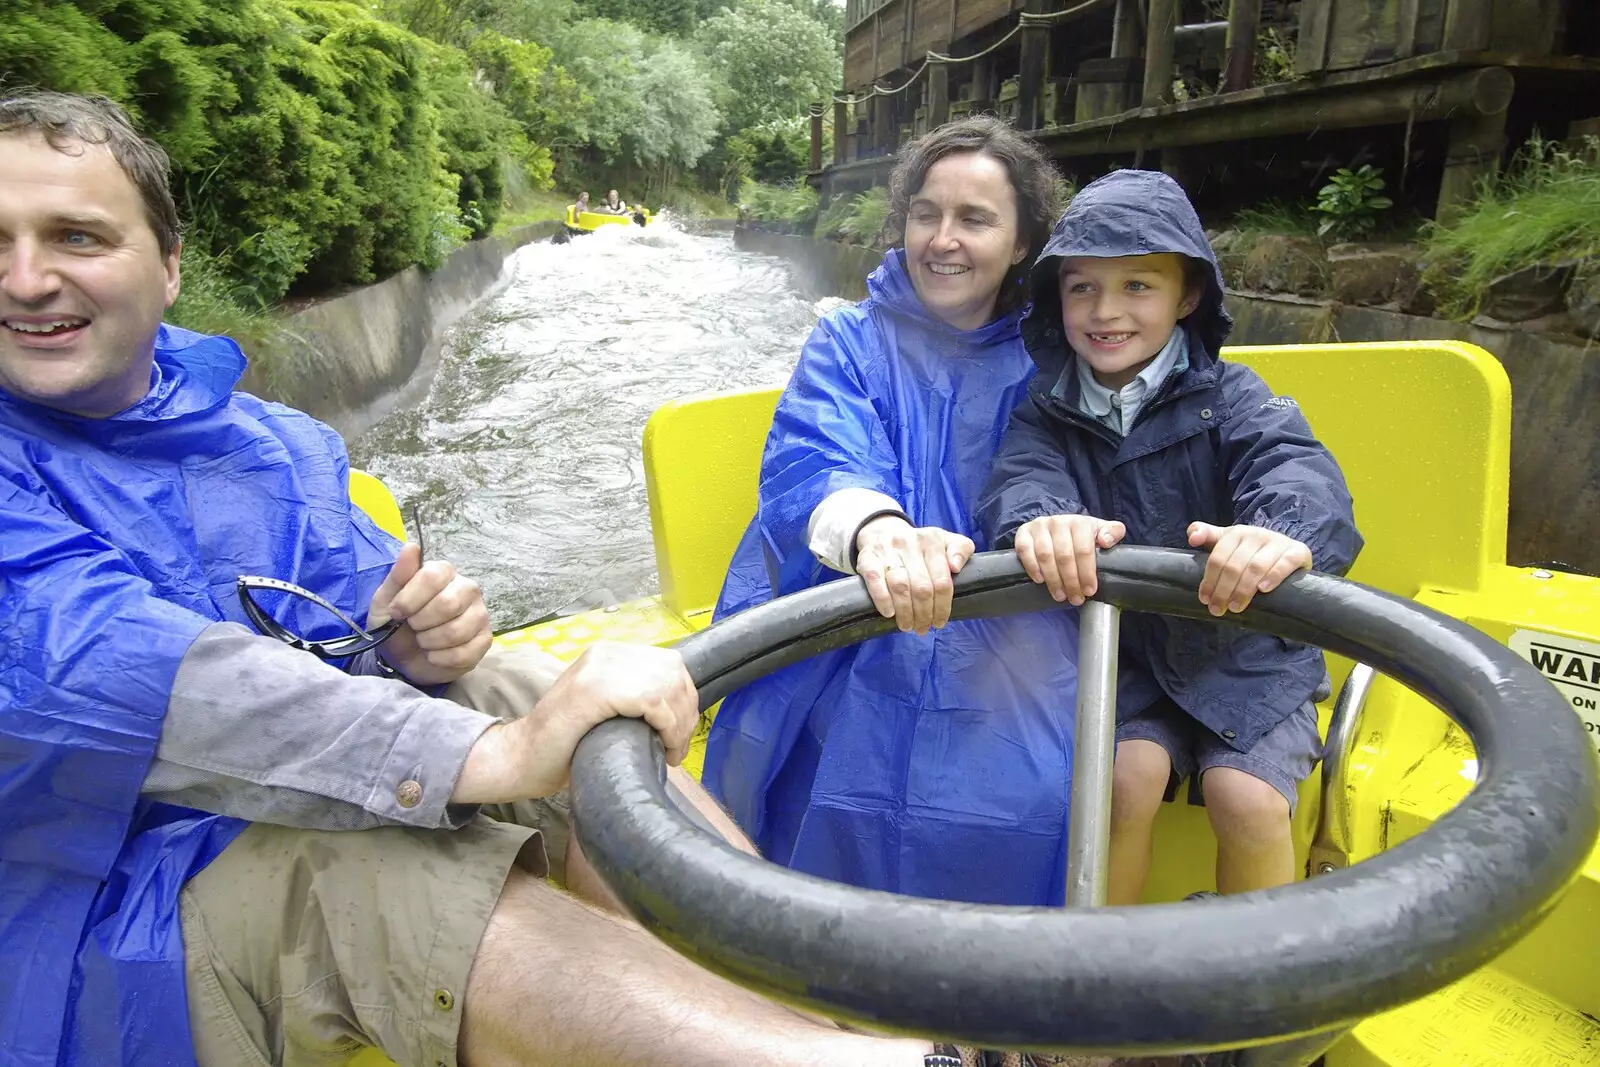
(589, 221)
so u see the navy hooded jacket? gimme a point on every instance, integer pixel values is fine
(1212, 443)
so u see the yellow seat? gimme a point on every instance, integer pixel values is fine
(373, 497)
(701, 459)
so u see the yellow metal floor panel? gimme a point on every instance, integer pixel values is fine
(1486, 1020)
(639, 622)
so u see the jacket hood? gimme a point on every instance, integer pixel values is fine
(889, 286)
(1125, 213)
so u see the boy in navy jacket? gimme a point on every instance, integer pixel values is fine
(1135, 427)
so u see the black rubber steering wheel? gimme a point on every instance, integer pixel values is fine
(1228, 972)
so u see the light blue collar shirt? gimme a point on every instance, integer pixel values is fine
(1118, 409)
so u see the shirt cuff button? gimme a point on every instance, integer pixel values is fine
(409, 794)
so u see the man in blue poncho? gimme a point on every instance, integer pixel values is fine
(214, 848)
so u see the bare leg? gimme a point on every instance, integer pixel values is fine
(558, 983)
(1138, 780)
(583, 880)
(1255, 847)
(706, 805)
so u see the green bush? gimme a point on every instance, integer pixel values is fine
(792, 207)
(830, 222)
(1543, 209)
(313, 144)
(1350, 202)
(858, 218)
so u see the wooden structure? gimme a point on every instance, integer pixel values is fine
(1134, 82)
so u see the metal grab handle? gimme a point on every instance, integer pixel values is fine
(1332, 844)
(1223, 973)
(1093, 751)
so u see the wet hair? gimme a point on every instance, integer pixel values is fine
(1034, 181)
(66, 119)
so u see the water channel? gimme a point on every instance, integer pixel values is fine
(523, 462)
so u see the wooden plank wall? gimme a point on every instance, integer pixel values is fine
(930, 28)
(934, 24)
(891, 38)
(973, 15)
(1363, 33)
(1520, 26)
(858, 71)
(1344, 34)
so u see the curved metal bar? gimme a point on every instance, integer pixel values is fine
(1332, 845)
(1220, 973)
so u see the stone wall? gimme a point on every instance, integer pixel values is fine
(820, 268)
(350, 359)
(1555, 389)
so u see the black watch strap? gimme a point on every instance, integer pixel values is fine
(897, 513)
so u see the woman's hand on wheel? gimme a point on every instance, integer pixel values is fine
(908, 570)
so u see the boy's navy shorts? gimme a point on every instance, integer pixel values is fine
(1283, 757)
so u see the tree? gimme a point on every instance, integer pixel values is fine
(603, 58)
(648, 100)
(459, 22)
(680, 122)
(673, 17)
(775, 59)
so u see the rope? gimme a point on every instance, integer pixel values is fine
(1024, 18)
(934, 57)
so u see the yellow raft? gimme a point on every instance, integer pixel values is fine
(1431, 487)
(590, 221)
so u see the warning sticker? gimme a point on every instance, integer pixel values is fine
(1574, 667)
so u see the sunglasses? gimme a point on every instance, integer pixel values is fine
(359, 640)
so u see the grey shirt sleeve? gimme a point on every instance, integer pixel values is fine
(259, 731)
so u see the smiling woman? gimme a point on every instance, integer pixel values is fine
(930, 761)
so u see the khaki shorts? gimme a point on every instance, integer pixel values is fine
(301, 947)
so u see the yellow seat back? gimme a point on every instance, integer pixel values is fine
(374, 498)
(1422, 430)
(702, 456)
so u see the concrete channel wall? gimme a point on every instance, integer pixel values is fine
(1555, 389)
(351, 359)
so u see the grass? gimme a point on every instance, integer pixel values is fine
(698, 204)
(1545, 208)
(535, 205)
(212, 302)
(1275, 217)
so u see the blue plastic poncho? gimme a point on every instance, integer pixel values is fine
(120, 540)
(936, 766)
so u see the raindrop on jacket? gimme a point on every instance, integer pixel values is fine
(935, 766)
(120, 540)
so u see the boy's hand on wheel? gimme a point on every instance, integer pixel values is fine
(1244, 561)
(1058, 550)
